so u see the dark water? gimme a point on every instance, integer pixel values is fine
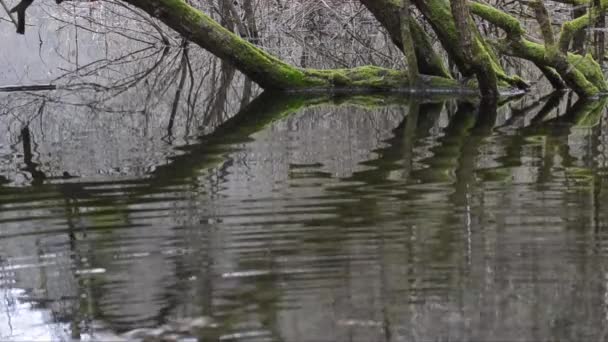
(313, 219)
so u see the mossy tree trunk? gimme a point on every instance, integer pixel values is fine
(269, 71)
(557, 55)
(580, 73)
(439, 15)
(578, 40)
(474, 55)
(408, 42)
(599, 35)
(389, 14)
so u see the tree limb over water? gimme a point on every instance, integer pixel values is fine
(452, 24)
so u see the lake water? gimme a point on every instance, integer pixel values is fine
(303, 218)
(153, 194)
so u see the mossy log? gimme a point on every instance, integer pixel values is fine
(269, 71)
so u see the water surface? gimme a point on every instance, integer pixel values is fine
(310, 218)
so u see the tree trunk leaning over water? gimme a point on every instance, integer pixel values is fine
(269, 71)
(451, 23)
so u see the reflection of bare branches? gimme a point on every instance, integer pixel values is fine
(184, 71)
(216, 109)
(133, 83)
(132, 80)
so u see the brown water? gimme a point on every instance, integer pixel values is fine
(303, 218)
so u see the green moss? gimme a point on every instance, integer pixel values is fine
(261, 66)
(503, 79)
(570, 28)
(439, 15)
(584, 88)
(272, 73)
(592, 115)
(583, 74)
(499, 18)
(429, 62)
(532, 51)
(590, 69)
(444, 83)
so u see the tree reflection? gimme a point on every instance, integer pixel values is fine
(422, 217)
(447, 156)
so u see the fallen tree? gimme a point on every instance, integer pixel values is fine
(269, 71)
(466, 47)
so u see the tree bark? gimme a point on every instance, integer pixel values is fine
(580, 73)
(388, 14)
(578, 40)
(408, 42)
(557, 54)
(438, 14)
(252, 27)
(479, 61)
(599, 36)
